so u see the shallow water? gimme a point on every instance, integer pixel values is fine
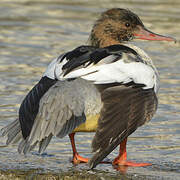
(32, 33)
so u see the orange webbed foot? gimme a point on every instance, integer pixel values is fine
(119, 162)
(121, 159)
(77, 159)
(122, 165)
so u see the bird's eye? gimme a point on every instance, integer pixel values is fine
(127, 25)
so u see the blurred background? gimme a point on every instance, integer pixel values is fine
(33, 33)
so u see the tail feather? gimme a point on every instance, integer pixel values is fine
(9, 127)
(13, 132)
(14, 139)
(14, 135)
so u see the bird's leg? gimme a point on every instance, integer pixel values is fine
(121, 159)
(76, 157)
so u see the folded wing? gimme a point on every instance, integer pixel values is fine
(126, 107)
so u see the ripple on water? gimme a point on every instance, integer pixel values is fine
(32, 33)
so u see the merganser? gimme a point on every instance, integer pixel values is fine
(108, 87)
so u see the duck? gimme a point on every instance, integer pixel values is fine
(108, 86)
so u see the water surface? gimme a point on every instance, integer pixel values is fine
(32, 33)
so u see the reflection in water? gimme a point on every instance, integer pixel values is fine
(32, 33)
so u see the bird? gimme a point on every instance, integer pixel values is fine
(108, 86)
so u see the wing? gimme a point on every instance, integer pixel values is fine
(30, 105)
(60, 111)
(126, 107)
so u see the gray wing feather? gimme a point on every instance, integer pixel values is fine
(71, 125)
(44, 143)
(61, 110)
(21, 145)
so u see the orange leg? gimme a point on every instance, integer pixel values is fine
(76, 157)
(121, 159)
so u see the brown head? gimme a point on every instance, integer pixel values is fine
(118, 25)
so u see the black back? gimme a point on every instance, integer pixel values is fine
(86, 55)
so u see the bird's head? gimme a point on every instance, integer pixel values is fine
(119, 25)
